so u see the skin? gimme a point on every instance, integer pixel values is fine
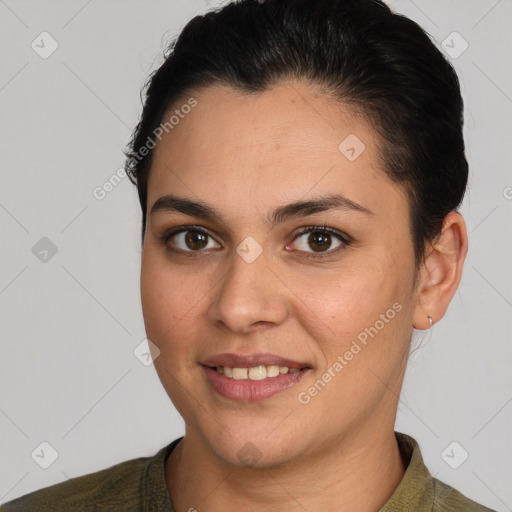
(246, 155)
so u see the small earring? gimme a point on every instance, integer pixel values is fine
(430, 321)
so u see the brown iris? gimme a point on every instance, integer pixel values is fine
(196, 240)
(319, 241)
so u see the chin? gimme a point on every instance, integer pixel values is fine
(251, 449)
(251, 455)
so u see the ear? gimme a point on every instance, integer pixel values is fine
(440, 272)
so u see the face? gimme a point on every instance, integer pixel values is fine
(280, 251)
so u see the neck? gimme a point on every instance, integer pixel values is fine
(354, 474)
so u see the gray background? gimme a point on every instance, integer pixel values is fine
(69, 324)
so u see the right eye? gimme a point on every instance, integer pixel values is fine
(189, 239)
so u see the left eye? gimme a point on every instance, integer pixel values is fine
(318, 241)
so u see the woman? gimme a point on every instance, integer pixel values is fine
(299, 166)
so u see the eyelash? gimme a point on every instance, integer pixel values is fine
(343, 238)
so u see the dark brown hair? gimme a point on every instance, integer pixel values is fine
(362, 53)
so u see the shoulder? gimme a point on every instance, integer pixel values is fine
(448, 499)
(118, 487)
(418, 490)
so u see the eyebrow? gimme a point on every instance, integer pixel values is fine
(171, 203)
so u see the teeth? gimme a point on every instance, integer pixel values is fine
(240, 373)
(272, 371)
(256, 372)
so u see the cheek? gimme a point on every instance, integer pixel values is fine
(171, 302)
(337, 307)
(170, 297)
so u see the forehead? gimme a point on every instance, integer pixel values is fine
(282, 144)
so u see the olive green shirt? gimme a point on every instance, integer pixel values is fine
(139, 485)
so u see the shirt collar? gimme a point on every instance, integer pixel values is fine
(154, 491)
(416, 489)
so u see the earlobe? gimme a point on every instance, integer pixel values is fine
(441, 272)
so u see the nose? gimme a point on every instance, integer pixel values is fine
(251, 296)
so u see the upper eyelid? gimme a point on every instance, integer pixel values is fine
(323, 229)
(187, 227)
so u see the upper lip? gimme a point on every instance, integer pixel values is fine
(250, 360)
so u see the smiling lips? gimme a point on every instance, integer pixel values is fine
(252, 377)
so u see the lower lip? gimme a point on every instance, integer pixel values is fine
(251, 390)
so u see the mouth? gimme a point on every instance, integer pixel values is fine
(252, 377)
